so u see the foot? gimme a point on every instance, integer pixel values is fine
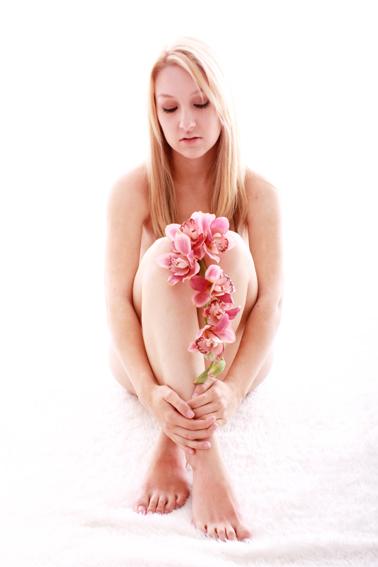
(166, 485)
(214, 507)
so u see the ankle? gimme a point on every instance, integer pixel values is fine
(167, 448)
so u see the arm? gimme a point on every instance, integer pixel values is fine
(128, 341)
(265, 242)
(126, 211)
(255, 345)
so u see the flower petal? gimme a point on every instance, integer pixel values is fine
(232, 312)
(171, 229)
(232, 240)
(201, 298)
(182, 243)
(199, 283)
(220, 224)
(164, 260)
(224, 330)
(213, 273)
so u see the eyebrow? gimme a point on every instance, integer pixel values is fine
(171, 96)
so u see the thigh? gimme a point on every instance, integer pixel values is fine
(159, 246)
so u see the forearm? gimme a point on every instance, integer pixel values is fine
(127, 338)
(255, 346)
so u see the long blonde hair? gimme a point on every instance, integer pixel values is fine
(229, 197)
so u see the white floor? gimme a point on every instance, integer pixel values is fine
(302, 454)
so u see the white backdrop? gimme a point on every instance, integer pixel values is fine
(73, 119)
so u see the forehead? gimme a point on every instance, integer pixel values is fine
(173, 81)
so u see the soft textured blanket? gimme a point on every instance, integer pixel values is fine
(302, 456)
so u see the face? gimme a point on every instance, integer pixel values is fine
(187, 112)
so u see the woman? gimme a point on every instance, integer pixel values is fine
(152, 323)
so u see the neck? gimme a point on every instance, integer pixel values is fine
(196, 174)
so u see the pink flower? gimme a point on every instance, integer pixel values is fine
(204, 285)
(207, 342)
(215, 283)
(218, 307)
(218, 238)
(181, 262)
(210, 339)
(223, 285)
(181, 267)
(197, 237)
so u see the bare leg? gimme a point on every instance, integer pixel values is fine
(170, 322)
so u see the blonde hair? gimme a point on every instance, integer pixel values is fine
(229, 197)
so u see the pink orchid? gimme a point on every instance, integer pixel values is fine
(210, 339)
(217, 308)
(204, 285)
(181, 267)
(218, 238)
(181, 262)
(200, 235)
(197, 237)
(215, 283)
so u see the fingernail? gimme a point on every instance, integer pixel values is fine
(189, 413)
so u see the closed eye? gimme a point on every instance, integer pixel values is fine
(196, 105)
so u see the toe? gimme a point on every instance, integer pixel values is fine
(230, 532)
(211, 531)
(170, 505)
(242, 532)
(180, 500)
(203, 528)
(160, 508)
(141, 504)
(220, 530)
(153, 503)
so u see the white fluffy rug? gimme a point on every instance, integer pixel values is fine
(302, 457)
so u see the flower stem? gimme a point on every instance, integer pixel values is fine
(203, 267)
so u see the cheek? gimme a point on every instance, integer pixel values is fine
(214, 122)
(214, 127)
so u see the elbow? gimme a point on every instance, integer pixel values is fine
(269, 303)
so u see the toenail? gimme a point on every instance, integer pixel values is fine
(141, 510)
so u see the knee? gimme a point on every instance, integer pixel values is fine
(238, 251)
(237, 241)
(161, 245)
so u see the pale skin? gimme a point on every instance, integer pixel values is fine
(161, 309)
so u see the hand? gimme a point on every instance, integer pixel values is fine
(215, 397)
(169, 409)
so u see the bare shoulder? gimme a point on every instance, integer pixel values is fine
(131, 186)
(258, 187)
(264, 201)
(265, 234)
(127, 210)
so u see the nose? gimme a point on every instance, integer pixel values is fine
(187, 122)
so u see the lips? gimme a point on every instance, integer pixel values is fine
(192, 138)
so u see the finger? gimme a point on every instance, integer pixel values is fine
(178, 403)
(201, 388)
(188, 452)
(192, 444)
(199, 401)
(193, 424)
(200, 434)
(207, 410)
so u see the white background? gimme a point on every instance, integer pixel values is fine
(73, 119)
